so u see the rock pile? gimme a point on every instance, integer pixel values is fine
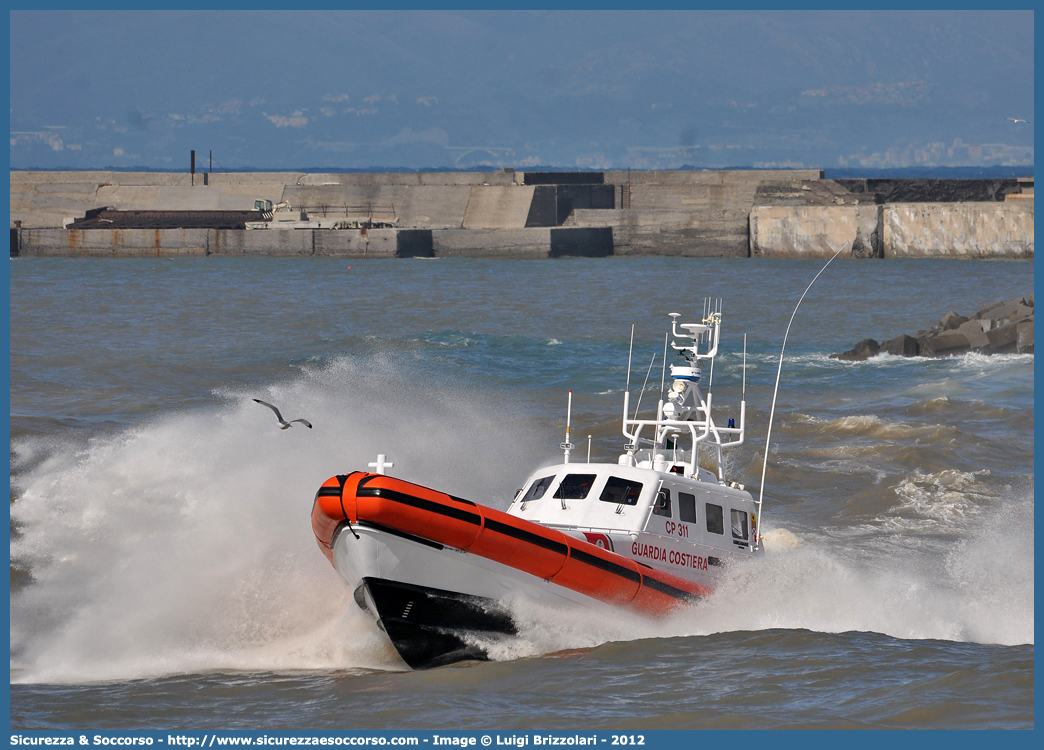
(1000, 328)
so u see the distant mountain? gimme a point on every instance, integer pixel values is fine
(575, 89)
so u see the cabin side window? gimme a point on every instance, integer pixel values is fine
(739, 524)
(662, 506)
(621, 491)
(715, 519)
(575, 486)
(538, 488)
(686, 507)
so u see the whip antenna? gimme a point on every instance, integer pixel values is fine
(630, 350)
(663, 377)
(779, 371)
(642, 392)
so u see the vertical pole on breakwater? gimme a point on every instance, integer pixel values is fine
(192, 167)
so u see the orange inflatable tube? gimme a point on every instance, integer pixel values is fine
(383, 501)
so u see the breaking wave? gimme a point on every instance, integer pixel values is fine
(183, 544)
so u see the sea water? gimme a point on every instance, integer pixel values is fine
(164, 572)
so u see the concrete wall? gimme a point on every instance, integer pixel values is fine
(814, 231)
(497, 207)
(535, 242)
(47, 199)
(959, 230)
(710, 177)
(532, 242)
(184, 198)
(441, 206)
(528, 242)
(266, 242)
(699, 214)
(704, 231)
(347, 243)
(409, 179)
(895, 230)
(596, 242)
(38, 201)
(707, 214)
(113, 242)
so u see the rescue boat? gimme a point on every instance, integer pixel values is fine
(650, 534)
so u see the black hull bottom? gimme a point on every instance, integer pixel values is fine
(427, 626)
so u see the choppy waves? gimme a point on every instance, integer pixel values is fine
(182, 544)
(161, 518)
(179, 545)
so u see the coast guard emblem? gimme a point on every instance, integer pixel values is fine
(600, 540)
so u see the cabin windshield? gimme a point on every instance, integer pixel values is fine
(575, 486)
(538, 488)
(621, 491)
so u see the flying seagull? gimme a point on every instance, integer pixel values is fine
(1017, 120)
(284, 425)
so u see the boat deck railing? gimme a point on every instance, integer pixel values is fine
(670, 455)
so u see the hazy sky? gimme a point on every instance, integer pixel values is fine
(428, 89)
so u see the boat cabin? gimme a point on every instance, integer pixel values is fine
(603, 498)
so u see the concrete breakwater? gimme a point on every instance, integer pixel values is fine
(900, 230)
(534, 242)
(737, 213)
(1000, 328)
